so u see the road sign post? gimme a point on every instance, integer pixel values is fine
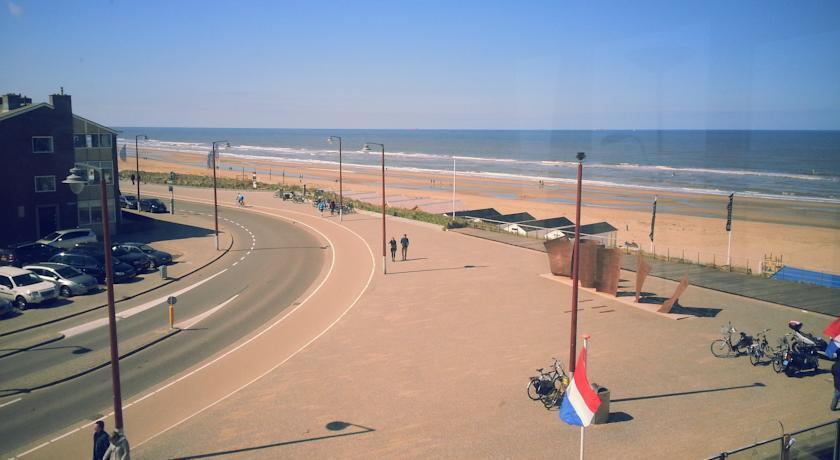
(172, 300)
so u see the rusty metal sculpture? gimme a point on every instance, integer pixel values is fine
(560, 256)
(642, 271)
(608, 270)
(669, 304)
(588, 262)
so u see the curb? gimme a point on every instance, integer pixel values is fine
(169, 281)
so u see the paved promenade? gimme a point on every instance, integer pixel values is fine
(802, 296)
(433, 360)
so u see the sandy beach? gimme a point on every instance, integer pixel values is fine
(804, 234)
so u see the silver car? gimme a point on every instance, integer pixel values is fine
(67, 279)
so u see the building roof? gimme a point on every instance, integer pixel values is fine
(486, 213)
(597, 228)
(514, 218)
(21, 110)
(552, 223)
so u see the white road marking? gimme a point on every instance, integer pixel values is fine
(10, 402)
(33, 449)
(87, 327)
(234, 264)
(65, 435)
(195, 319)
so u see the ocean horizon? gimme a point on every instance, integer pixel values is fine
(783, 164)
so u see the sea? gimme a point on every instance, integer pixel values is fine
(789, 165)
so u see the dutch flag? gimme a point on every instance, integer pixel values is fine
(580, 401)
(833, 331)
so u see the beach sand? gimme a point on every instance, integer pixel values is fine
(806, 235)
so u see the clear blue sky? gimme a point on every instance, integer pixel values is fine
(486, 65)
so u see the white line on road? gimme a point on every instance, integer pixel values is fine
(87, 327)
(195, 319)
(10, 402)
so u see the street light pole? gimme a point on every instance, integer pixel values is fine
(77, 184)
(367, 149)
(576, 267)
(137, 164)
(215, 197)
(340, 180)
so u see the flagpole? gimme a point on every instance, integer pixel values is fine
(729, 230)
(585, 358)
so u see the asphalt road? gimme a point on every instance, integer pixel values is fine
(281, 267)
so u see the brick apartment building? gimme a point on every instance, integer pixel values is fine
(39, 143)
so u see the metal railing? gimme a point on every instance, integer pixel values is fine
(531, 231)
(817, 442)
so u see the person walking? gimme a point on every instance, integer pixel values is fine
(404, 244)
(393, 244)
(835, 371)
(332, 207)
(100, 440)
(321, 207)
(119, 449)
(132, 179)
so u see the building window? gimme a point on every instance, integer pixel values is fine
(93, 140)
(42, 144)
(105, 140)
(44, 183)
(79, 141)
(90, 212)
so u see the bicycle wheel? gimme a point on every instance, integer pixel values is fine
(721, 348)
(755, 356)
(532, 388)
(767, 352)
(778, 365)
(550, 400)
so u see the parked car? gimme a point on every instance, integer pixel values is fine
(138, 260)
(68, 238)
(67, 279)
(152, 205)
(158, 257)
(94, 265)
(28, 253)
(6, 307)
(128, 201)
(24, 287)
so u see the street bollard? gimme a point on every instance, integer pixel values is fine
(163, 274)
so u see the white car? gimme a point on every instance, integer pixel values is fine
(24, 287)
(68, 238)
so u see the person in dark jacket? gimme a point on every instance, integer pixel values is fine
(835, 371)
(393, 244)
(100, 440)
(404, 244)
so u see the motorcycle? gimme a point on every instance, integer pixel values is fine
(794, 356)
(803, 339)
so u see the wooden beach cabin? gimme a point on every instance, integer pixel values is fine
(476, 215)
(602, 232)
(542, 228)
(506, 220)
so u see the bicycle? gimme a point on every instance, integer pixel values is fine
(550, 386)
(724, 348)
(759, 349)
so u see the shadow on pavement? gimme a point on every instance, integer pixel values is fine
(686, 393)
(332, 426)
(438, 269)
(700, 312)
(145, 229)
(618, 417)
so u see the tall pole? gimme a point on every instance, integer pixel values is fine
(453, 188)
(576, 266)
(112, 316)
(585, 358)
(340, 180)
(215, 197)
(729, 230)
(137, 164)
(384, 267)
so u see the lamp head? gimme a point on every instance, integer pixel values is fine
(145, 137)
(581, 156)
(75, 180)
(366, 148)
(329, 140)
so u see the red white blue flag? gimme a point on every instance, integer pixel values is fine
(833, 332)
(580, 401)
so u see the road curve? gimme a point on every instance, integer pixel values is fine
(350, 269)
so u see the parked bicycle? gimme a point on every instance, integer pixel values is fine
(725, 348)
(550, 386)
(760, 350)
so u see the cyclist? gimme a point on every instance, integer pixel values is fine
(241, 199)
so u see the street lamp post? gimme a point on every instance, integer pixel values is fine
(137, 164)
(340, 179)
(576, 267)
(77, 183)
(368, 149)
(215, 198)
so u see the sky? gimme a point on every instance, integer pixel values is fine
(456, 65)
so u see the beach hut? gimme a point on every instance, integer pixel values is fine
(602, 232)
(505, 221)
(476, 214)
(541, 228)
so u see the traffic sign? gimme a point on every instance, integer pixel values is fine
(172, 300)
